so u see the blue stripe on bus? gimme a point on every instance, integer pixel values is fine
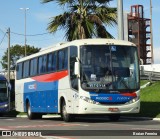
(112, 98)
(43, 96)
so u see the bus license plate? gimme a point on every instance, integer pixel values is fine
(113, 109)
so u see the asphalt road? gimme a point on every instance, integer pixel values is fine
(91, 127)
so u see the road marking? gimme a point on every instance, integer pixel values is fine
(9, 119)
(42, 126)
(66, 124)
(55, 137)
(144, 129)
(4, 129)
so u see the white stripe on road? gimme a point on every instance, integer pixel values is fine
(4, 129)
(54, 137)
(9, 119)
(43, 126)
(144, 129)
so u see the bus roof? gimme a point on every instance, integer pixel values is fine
(98, 41)
(101, 41)
(2, 78)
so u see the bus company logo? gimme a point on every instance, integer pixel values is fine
(32, 86)
(123, 98)
(103, 98)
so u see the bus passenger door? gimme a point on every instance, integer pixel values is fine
(73, 78)
(75, 102)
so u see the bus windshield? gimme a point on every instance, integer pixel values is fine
(3, 91)
(111, 67)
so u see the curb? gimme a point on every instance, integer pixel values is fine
(145, 85)
(156, 119)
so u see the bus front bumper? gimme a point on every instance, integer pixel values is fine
(88, 108)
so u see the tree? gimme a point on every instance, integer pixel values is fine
(17, 52)
(83, 18)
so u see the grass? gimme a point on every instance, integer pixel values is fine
(142, 82)
(150, 100)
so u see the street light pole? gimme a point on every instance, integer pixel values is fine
(120, 19)
(8, 31)
(25, 39)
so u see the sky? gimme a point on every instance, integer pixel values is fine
(39, 15)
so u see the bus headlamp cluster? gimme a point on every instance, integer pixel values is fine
(89, 100)
(133, 100)
(4, 106)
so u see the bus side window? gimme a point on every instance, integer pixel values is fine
(63, 59)
(73, 77)
(44, 64)
(33, 69)
(19, 71)
(60, 59)
(54, 62)
(51, 62)
(26, 69)
(40, 62)
(66, 58)
(49, 59)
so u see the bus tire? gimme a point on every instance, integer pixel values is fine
(114, 117)
(66, 116)
(30, 114)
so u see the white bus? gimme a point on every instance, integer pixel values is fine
(88, 76)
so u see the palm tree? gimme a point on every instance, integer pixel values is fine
(83, 18)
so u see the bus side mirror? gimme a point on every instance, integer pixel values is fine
(76, 69)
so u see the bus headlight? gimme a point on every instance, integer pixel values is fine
(133, 100)
(4, 106)
(89, 100)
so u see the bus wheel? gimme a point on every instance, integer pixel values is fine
(65, 116)
(30, 114)
(114, 117)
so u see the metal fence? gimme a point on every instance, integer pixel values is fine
(149, 75)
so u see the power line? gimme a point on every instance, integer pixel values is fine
(2, 39)
(2, 31)
(41, 39)
(30, 35)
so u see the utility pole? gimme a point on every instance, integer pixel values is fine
(152, 60)
(120, 19)
(25, 39)
(8, 31)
